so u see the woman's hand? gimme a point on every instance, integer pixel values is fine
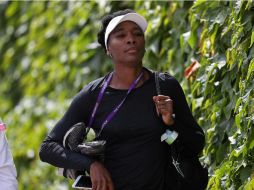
(164, 106)
(100, 177)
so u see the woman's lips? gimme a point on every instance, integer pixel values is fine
(131, 50)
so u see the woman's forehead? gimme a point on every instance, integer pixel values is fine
(126, 25)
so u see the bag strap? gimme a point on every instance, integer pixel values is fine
(157, 84)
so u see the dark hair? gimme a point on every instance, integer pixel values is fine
(104, 23)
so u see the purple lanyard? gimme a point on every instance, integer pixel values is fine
(115, 110)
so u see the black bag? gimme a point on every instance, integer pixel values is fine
(190, 173)
(74, 140)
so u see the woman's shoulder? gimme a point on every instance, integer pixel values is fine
(167, 78)
(169, 84)
(89, 89)
(93, 85)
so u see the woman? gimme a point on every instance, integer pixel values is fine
(127, 116)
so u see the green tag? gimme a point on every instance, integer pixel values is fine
(169, 136)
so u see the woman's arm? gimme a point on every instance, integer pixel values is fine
(190, 133)
(8, 173)
(54, 153)
(52, 149)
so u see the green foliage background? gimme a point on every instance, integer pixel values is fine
(48, 52)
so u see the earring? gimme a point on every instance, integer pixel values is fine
(109, 54)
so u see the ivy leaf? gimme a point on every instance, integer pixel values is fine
(221, 151)
(221, 17)
(250, 70)
(232, 140)
(221, 62)
(184, 38)
(252, 39)
(192, 41)
(245, 172)
(238, 103)
(199, 3)
(250, 142)
(238, 121)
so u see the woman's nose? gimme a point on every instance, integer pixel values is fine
(131, 39)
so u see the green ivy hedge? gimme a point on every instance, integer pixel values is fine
(222, 94)
(48, 52)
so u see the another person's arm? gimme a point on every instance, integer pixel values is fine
(8, 173)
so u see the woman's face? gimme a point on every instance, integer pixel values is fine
(126, 43)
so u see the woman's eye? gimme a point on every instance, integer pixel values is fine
(138, 33)
(121, 35)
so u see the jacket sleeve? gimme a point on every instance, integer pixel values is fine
(52, 150)
(190, 133)
(8, 173)
(55, 154)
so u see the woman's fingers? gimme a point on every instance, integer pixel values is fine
(101, 185)
(109, 183)
(100, 177)
(164, 106)
(110, 186)
(164, 103)
(160, 97)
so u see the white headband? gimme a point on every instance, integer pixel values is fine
(138, 19)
